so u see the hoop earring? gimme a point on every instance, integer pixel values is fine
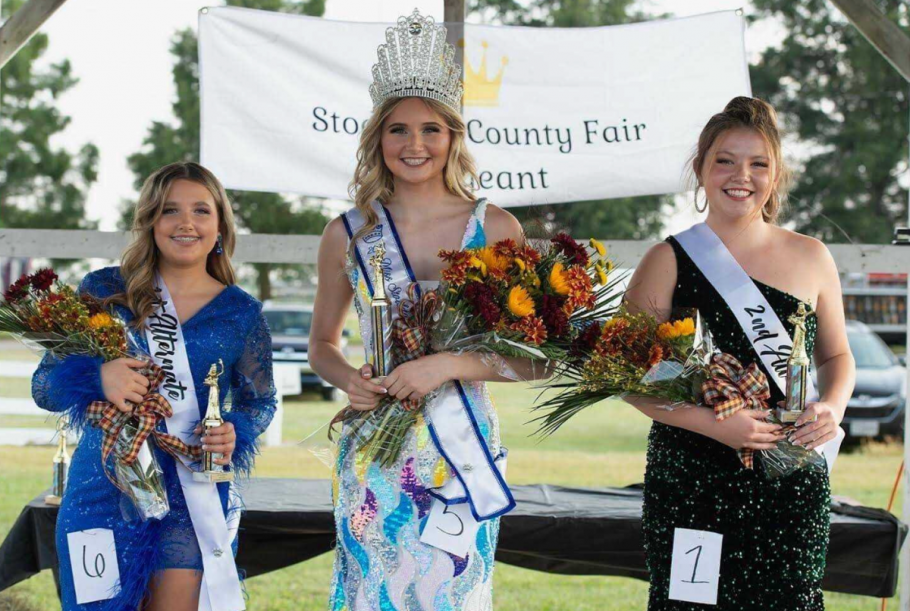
(218, 249)
(705, 207)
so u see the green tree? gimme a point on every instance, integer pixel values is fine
(167, 142)
(632, 218)
(41, 186)
(843, 99)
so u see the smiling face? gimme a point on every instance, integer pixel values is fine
(187, 230)
(738, 174)
(415, 142)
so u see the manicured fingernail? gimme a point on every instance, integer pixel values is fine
(205, 447)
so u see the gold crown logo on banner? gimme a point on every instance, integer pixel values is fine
(480, 89)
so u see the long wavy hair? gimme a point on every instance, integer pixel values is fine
(139, 263)
(373, 179)
(760, 117)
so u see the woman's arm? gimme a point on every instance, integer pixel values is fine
(834, 361)
(253, 399)
(651, 291)
(333, 300)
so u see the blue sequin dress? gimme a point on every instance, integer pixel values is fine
(231, 327)
(775, 531)
(380, 564)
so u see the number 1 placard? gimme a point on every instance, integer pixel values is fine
(695, 569)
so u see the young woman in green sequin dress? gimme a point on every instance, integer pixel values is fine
(775, 532)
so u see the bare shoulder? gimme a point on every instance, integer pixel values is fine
(500, 224)
(334, 240)
(653, 283)
(804, 248)
(660, 258)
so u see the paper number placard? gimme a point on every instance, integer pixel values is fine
(450, 528)
(93, 558)
(695, 568)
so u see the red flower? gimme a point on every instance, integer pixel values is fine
(18, 290)
(575, 252)
(506, 248)
(586, 341)
(554, 317)
(43, 279)
(533, 328)
(481, 298)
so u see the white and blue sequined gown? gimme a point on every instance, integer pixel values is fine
(231, 327)
(380, 564)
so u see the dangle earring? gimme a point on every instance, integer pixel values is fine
(703, 208)
(218, 249)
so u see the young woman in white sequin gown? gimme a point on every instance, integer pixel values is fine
(413, 174)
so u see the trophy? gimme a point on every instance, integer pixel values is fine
(61, 465)
(381, 317)
(797, 371)
(212, 472)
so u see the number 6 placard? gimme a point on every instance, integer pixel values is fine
(93, 558)
(695, 568)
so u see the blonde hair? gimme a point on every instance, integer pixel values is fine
(760, 117)
(373, 179)
(139, 263)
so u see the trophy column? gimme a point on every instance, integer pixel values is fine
(61, 465)
(212, 472)
(797, 371)
(380, 317)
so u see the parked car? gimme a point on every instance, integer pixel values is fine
(290, 327)
(880, 396)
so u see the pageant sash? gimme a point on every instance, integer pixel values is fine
(754, 314)
(451, 421)
(220, 590)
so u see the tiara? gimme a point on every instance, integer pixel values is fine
(416, 61)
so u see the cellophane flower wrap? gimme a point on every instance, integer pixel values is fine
(503, 301)
(51, 317)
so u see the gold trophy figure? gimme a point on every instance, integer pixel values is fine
(381, 317)
(797, 371)
(61, 465)
(212, 472)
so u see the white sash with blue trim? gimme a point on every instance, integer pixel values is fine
(754, 314)
(479, 477)
(220, 589)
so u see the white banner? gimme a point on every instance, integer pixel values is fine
(553, 114)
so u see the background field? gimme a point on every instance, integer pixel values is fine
(604, 447)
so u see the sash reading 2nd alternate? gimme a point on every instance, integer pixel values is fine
(754, 314)
(454, 429)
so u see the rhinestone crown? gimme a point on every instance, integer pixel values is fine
(416, 61)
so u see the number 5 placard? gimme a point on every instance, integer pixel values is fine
(695, 568)
(451, 528)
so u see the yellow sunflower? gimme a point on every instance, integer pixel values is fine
(520, 302)
(558, 281)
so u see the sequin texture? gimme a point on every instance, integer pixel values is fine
(388, 508)
(775, 531)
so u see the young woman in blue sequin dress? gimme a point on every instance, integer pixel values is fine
(775, 532)
(413, 174)
(184, 231)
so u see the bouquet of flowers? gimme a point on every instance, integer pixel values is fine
(49, 316)
(675, 362)
(501, 301)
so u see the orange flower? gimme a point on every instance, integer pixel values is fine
(581, 289)
(533, 328)
(496, 264)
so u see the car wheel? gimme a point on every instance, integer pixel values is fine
(329, 393)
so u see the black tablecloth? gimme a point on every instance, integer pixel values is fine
(571, 531)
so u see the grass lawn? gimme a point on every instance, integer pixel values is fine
(604, 447)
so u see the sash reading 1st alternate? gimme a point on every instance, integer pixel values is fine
(220, 590)
(479, 479)
(754, 314)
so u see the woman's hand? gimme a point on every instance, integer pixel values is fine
(364, 393)
(747, 429)
(122, 384)
(811, 434)
(414, 379)
(220, 440)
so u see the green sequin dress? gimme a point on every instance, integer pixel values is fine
(775, 532)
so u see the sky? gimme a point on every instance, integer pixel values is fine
(119, 51)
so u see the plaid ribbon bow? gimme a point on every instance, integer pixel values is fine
(411, 330)
(145, 416)
(732, 387)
